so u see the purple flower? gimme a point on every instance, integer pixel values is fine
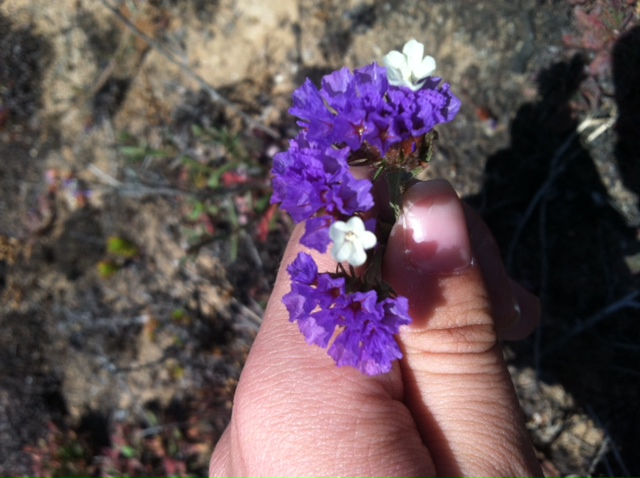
(351, 108)
(309, 106)
(345, 120)
(383, 134)
(418, 112)
(318, 289)
(363, 328)
(309, 178)
(340, 111)
(353, 195)
(312, 298)
(452, 104)
(367, 341)
(339, 90)
(316, 233)
(372, 86)
(303, 269)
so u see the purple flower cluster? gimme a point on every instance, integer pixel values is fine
(312, 178)
(365, 327)
(352, 108)
(351, 112)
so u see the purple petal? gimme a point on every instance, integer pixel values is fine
(316, 233)
(303, 269)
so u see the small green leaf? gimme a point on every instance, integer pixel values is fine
(128, 451)
(214, 179)
(262, 204)
(378, 172)
(397, 210)
(107, 269)
(234, 247)
(196, 130)
(197, 211)
(134, 153)
(121, 247)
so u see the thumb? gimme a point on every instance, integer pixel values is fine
(457, 385)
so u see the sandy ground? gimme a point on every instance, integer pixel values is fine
(124, 326)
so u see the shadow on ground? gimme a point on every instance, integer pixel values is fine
(561, 237)
(626, 77)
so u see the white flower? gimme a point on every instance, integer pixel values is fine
(409, 68)
(350, 239)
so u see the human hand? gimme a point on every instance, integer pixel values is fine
(447, 408)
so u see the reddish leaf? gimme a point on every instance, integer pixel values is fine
(263, 226)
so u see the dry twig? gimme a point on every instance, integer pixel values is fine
(629, 301)
(556, 168)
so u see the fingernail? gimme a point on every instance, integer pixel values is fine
(435, 230)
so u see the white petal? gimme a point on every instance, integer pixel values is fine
(413, 50)
(358, 256)
(394, 59)
(350, 239)
(337, 231)
(338, 243)
(368, 239)
(426, 68)
(395, 78)
(356, 225)
(340, 226)
(398, 72)
(344, 252)
(409, 69)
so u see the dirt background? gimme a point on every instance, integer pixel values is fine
(137, 250)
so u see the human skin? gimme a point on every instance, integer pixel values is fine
(448, 407)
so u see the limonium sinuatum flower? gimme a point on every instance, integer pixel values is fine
(381, 118)
(357, 329)
(409, 68)
(350, 240)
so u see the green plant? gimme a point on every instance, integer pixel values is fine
(222, 183)
(231, 191)
(60, 453)
(119, 252)
(121, 247)
(130, 148)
